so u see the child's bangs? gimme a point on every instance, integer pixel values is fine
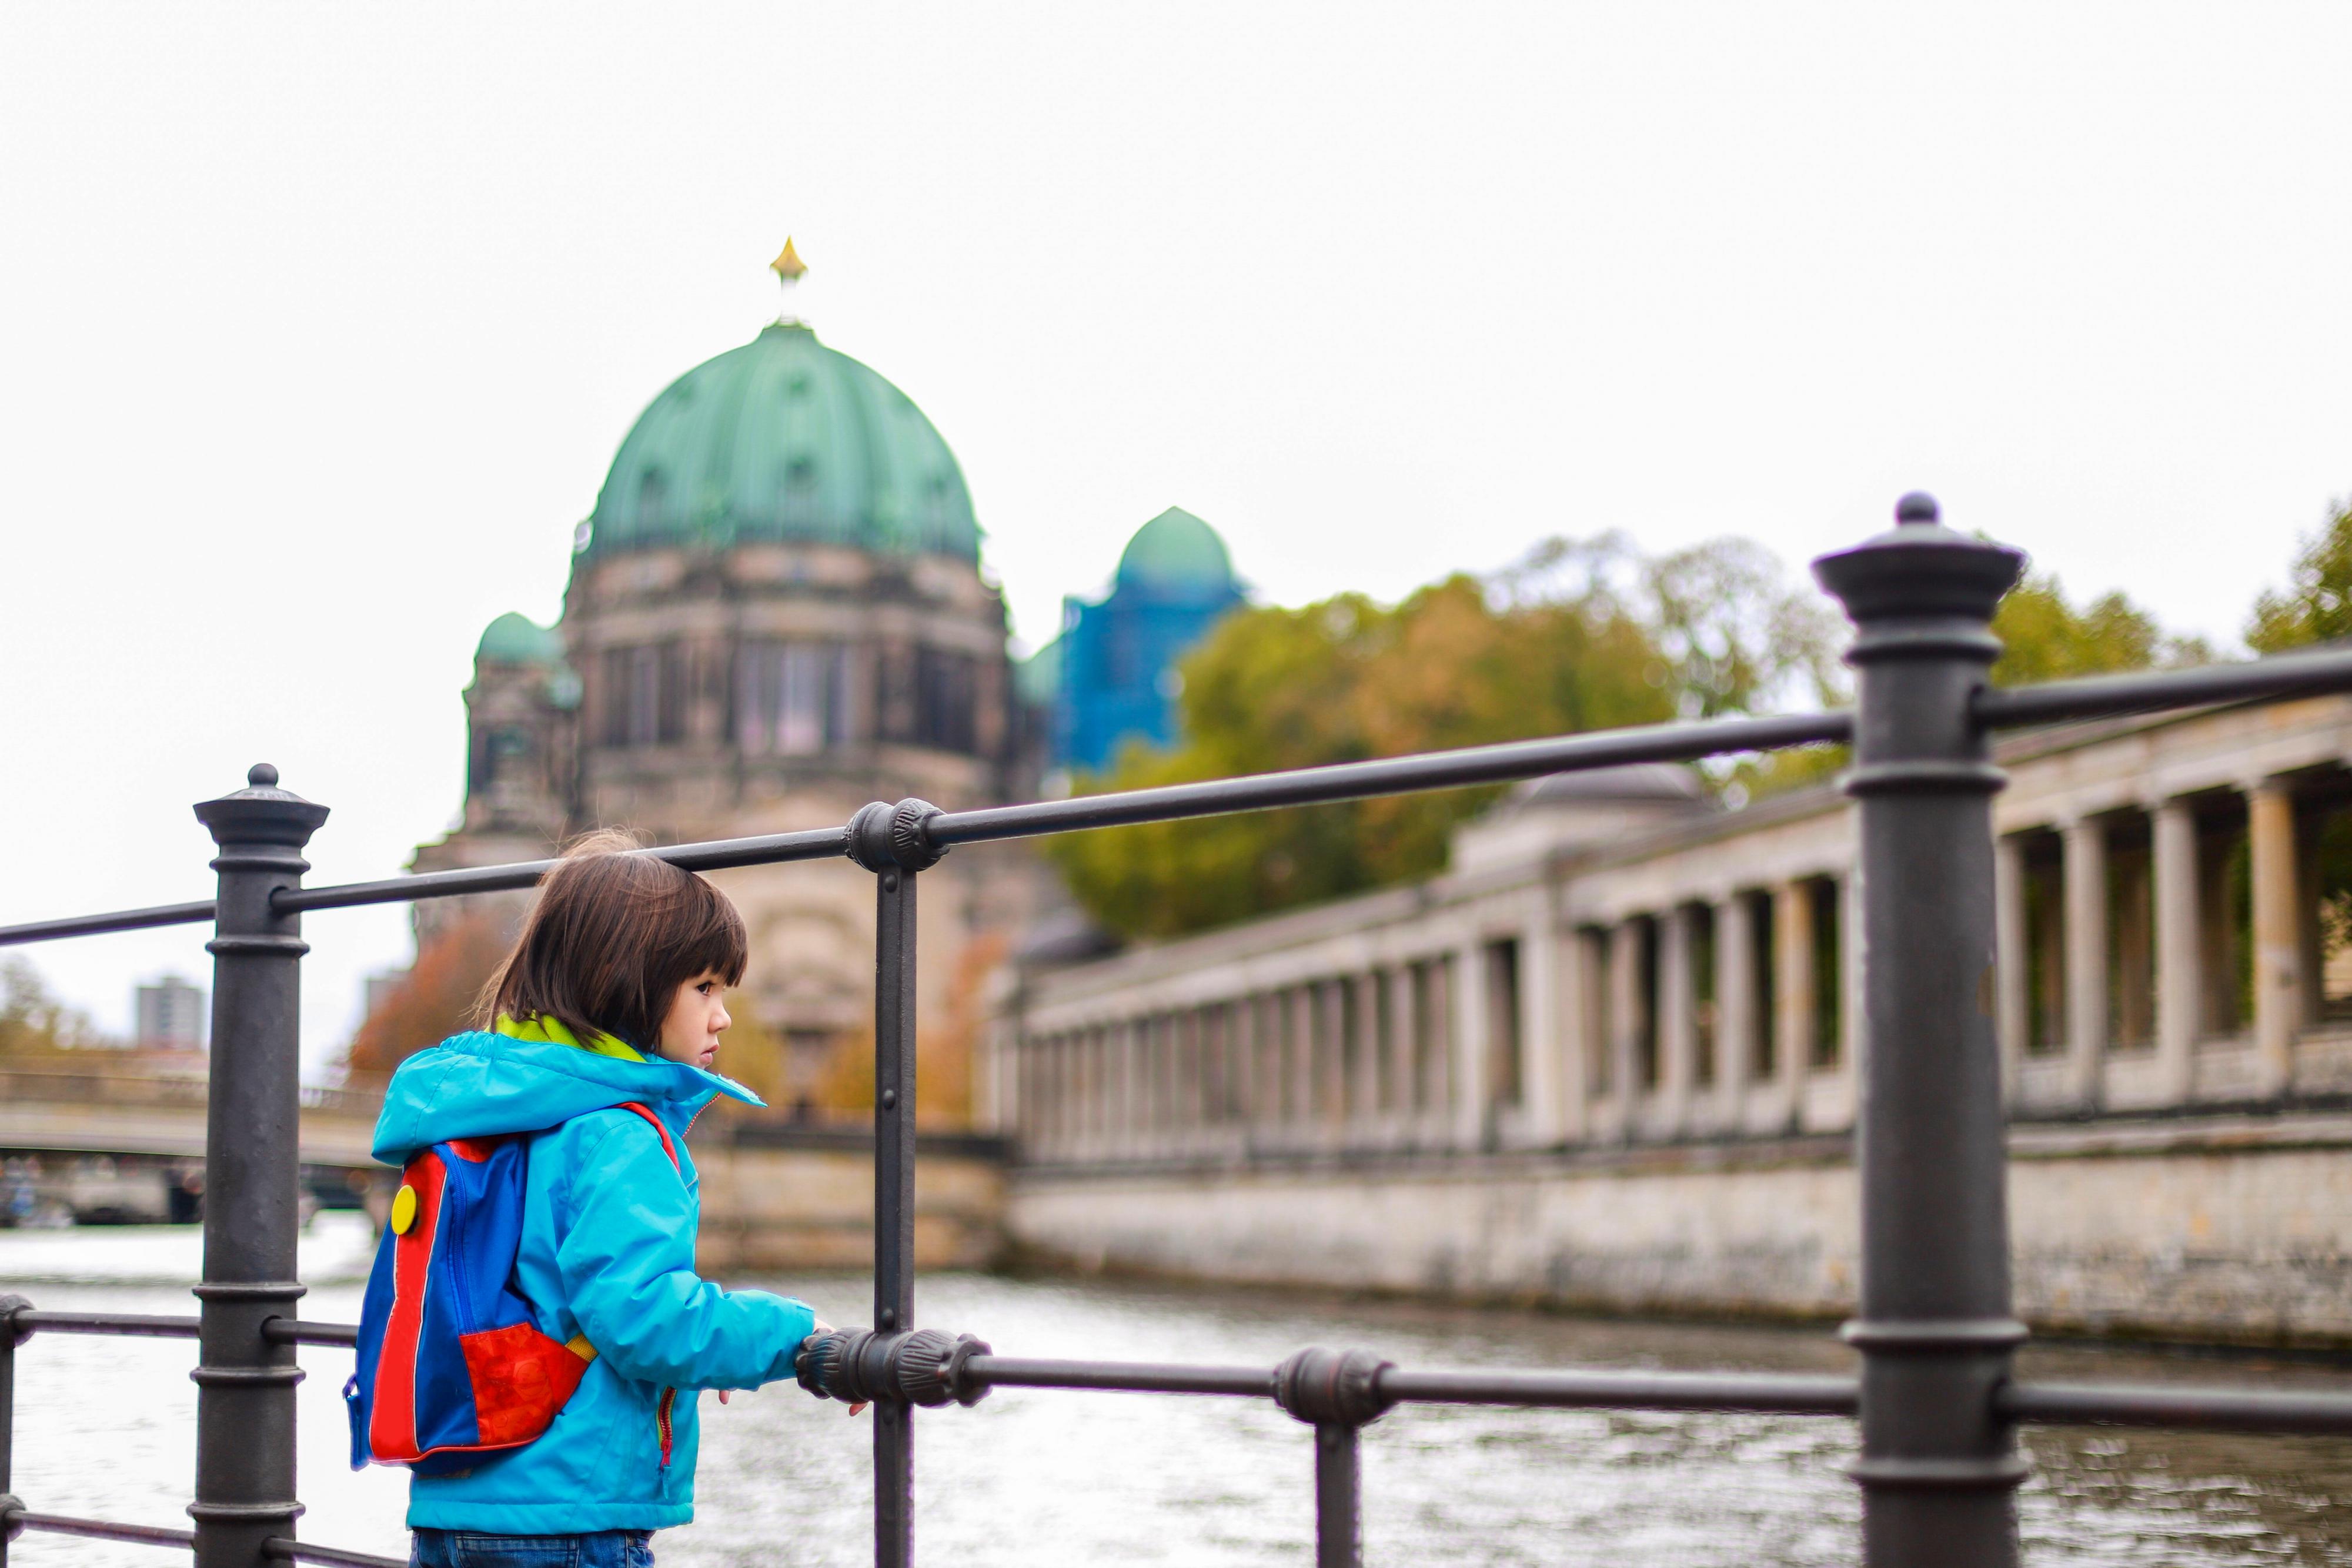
(715, 938)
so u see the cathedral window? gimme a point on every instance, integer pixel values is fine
(946, 695)
(644, 696)
(791, 699)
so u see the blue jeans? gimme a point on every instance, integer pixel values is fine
(466, 1549)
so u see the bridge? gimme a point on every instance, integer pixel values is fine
(100, 1141)
(91, 1110)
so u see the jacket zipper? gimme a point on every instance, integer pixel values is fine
(663, 1423)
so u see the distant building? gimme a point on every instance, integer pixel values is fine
(170, 1015)
(1112, 671)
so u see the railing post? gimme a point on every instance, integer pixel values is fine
(1337, 1393)
(245, 1384)
(1938, 1468)
(1338, 1482)
(890, 841)
(9, 1306)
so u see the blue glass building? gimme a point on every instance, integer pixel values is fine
(1113, 669)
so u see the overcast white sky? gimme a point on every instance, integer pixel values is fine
(319, 324)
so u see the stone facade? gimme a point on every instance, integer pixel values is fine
(1609, 1057)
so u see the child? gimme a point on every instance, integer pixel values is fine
(611, 996)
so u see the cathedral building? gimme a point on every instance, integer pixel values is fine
(776, 613)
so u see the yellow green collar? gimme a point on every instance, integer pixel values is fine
(552, 1032)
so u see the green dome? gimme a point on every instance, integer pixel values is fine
(513, 638)
(785, 439)
(1176, 552)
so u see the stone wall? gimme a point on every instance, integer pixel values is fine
(2221, 1229)
(788, 1202)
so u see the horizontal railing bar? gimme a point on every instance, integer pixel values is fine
(2100, 696)
(815, 843)
(1119, 1376)
(276, 1330)
(138, 1325)
(1588, 1390)
(100, 925)
(99, 1529)
(1757, 1394)
(2210, 1409)
(301, 1330)
(1393, 776)
(288, 1550)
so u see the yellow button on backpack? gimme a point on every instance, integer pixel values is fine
(403, 1210)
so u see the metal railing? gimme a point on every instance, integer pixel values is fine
(1934, 1334)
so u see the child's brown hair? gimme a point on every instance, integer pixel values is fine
(611, 936)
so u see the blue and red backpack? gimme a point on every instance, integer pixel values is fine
(450, 1366)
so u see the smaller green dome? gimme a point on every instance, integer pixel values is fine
(514, 639)
(1176, 552)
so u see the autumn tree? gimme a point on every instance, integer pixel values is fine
(438, 997)
(33, 1022)
(2317, 604)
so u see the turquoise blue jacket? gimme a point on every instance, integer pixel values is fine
(607, 1253)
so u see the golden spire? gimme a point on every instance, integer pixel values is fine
(788, 264)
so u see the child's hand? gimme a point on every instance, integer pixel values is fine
(817, 1327)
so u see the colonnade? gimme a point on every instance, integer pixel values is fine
(1731, 1014)
(2175, 951)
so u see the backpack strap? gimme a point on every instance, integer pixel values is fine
(667, 1147)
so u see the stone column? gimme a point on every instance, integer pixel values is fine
(1338, 1092)
(2086, 958)
(1677, 1030)
(1854, 1033)
(1299, 1059)
(1792, 950)
(1364, 1083)
(1542, 1059)
(2180, 951)
(1080, 1067)
(1243, 1064)
(2013, 1004)
(1111, 1135)
(1625, 1005)
(1566, 1052)
(1735, 1007)
(2278, 937)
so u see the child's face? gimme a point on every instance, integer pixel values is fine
(689, 1031)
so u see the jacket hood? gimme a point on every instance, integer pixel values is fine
(477, 1085)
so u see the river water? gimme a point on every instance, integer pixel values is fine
(106, 1427)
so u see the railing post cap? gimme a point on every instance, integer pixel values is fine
(261, 812)
(1332, 1387)
(1918, 568)
(883, 837)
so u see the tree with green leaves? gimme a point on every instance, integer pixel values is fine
(2045, 637)
(2317, 604)
(1580, 636)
